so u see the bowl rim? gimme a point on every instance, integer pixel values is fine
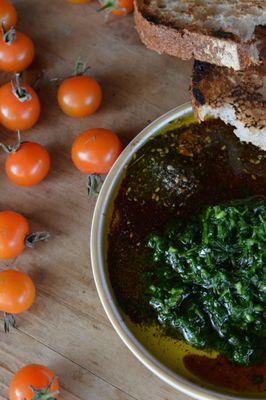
(102, 280)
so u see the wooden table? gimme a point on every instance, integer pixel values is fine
(67, 328)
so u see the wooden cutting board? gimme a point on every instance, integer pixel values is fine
(67, 328)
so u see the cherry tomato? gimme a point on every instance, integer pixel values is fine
(19, 108)
(37, 376)
(79, 96)
(118, 7)
(16, 54)
(17, 291)
(29, 165)
(13, 230)
(95, 151)
(8, 14)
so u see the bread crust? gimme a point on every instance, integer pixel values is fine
(237, 97)
(214, 47)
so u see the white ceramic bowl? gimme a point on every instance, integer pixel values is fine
(98, 256)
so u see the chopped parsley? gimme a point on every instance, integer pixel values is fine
(208, 279)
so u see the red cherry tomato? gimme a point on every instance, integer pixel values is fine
(19, 108)
(29, 165)
(37, 376)
(13, 230)
(79, 96)
(95, 151)
(17, 53)
(8, 14)
(118, 7)
(17, 291)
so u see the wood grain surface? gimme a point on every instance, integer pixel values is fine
(67, 328)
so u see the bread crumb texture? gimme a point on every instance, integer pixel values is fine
(237, 97)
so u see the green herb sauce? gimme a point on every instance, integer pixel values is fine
(209, 279)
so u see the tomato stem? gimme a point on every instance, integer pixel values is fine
(9, 321)
(45, 394)
(50, 396)
(12, 149)
(9, 36)
(18, 90)
(94, 181)
(18, 84)
(77, 66)
(35, 237)
(80, 68)
(3, 28)
(109, 5)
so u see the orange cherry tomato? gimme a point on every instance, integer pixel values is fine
(118, 7)
(8, 14)
(17, 291)
(13, 230)
(123, 7)
(29, 165)
(95, 151)
(16, 54)
(79, 96)
(37, 376)
(19, 108)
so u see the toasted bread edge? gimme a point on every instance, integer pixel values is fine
(187, 44)
(226, 111)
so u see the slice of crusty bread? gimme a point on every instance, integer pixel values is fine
(237, 97)
(214, 31)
